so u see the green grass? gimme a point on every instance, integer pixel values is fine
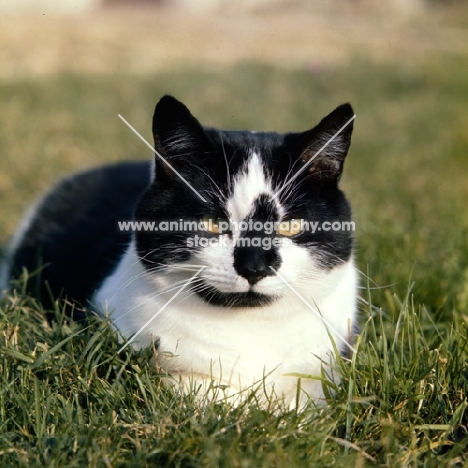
(68, 399)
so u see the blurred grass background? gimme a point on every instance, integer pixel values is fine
(64, 79)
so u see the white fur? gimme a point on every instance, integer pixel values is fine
(237, 347)
(250, 182)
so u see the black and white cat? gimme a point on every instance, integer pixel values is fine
(221, 307)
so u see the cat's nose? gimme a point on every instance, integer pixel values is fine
(253, 263)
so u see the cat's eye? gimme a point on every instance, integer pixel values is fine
(214, 224)
(290, 228)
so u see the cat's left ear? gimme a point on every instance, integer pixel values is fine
(334, 131)
(178, 136)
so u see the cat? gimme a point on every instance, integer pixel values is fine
(241, 292)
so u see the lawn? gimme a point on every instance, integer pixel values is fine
(67, 398)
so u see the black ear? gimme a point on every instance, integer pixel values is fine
(328, 163)
(177, 133)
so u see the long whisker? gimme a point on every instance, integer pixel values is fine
(159, 311)
(227, 164)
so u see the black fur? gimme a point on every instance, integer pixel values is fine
(73, 238)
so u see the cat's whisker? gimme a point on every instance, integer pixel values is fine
(190, 293)
(220, 193)
(147, 299)
(184, 267)
(174, 286)
(147, 254)
(128, 283)
(130, 253)
(132, 279)
(226, 161)
(293, 194)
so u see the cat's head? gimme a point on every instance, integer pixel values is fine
(247, 206)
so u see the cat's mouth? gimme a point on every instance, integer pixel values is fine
(234, 299)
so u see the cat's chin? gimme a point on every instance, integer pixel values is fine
(235, 299)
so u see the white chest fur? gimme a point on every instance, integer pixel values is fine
(236, 347)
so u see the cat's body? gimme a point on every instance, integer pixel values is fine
(235, 314)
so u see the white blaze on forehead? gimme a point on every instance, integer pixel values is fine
(248, 185)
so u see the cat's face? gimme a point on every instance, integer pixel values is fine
(253, 209)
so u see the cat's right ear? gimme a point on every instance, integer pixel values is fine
(323, 149)
(178, 136)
